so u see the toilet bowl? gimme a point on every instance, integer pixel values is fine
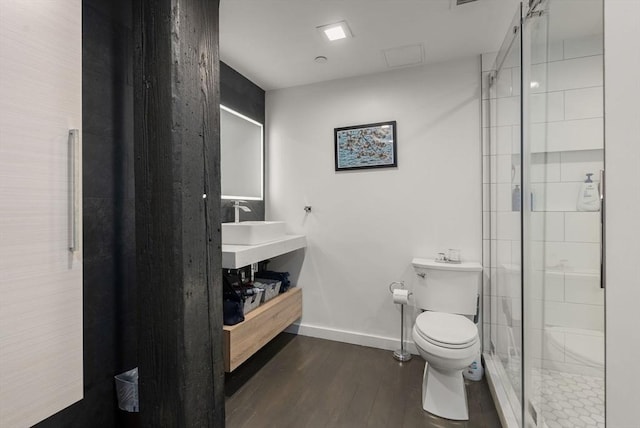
(448, 343)
(444, 335)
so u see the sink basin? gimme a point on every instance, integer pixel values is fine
(252, 232)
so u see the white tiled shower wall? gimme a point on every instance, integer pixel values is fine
(567, 141)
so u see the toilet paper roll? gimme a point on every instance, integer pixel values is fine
(401, 296)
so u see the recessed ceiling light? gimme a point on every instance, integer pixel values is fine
(320, 59)
(339, 30)
(335, 33)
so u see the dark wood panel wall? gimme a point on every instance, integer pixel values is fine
(177, 153)
(241, 94)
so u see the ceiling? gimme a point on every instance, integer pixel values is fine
(274, 42)
(575, 18)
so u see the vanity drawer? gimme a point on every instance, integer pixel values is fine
(261, 325)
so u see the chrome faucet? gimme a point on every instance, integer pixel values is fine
(237, 207)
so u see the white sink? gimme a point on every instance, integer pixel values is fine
(252, 232)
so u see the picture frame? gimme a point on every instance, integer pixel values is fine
(373, 145)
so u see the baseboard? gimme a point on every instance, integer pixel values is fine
(352, 337)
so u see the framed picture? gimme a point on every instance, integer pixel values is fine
(366, 146)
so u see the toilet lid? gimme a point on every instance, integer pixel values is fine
(448, 330)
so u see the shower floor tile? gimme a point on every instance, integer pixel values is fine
(562, 399)
(568, 400)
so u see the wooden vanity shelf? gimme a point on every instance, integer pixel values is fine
(261, 325)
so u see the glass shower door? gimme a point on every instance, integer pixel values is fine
(562, 157)
(505, 215)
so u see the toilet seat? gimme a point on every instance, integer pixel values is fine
(446, 330)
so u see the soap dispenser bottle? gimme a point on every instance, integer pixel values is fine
(588, 198)
(516, 198)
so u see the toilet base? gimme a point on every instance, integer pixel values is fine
(444, 394)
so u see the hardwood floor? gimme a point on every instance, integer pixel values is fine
(298, 381)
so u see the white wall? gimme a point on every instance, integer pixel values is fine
(622, 162)
(366, 226)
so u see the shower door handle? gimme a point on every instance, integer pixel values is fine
(601, 188)
(73, 190)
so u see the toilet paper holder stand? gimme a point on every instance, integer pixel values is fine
(401, 354)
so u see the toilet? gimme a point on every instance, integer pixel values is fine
(444, 334)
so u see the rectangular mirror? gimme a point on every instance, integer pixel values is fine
(241, 156)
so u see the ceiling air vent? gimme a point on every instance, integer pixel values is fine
(404, 55)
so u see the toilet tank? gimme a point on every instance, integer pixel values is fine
(447, 287)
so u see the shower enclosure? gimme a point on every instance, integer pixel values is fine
(543, 291)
